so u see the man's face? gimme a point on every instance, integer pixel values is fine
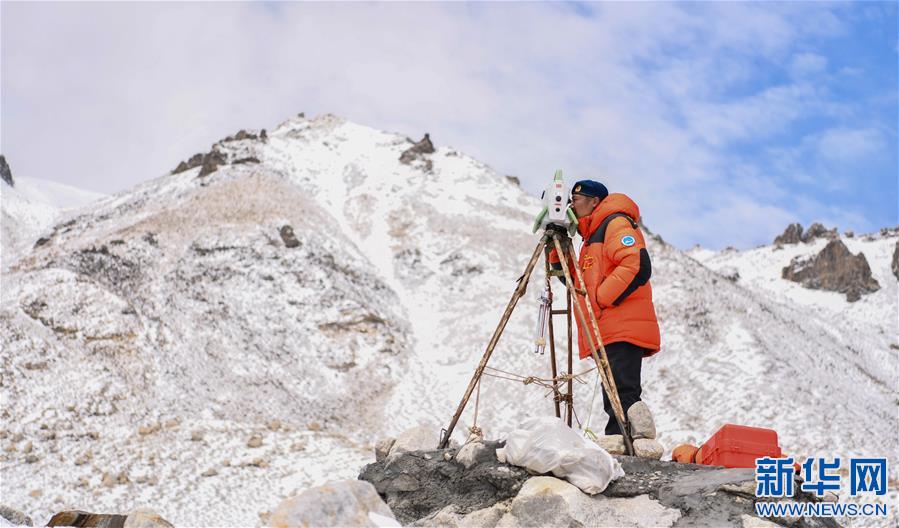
(583, 205)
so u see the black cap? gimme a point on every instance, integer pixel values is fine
(590, 188)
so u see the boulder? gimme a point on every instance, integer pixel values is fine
(474, 452)
(613, 444)
(145, 518)
(792, 235)
(640, 421)
(648, 448)
(83, 519)
(419, 438)
(15, 517)
(5, 173)
(450, 517)
(382, 448)
(288, 237)
(341, 503)
(833, 269)
(548, 501)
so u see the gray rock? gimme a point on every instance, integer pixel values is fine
(442, 483)
(419, 438)
(895, 265)
(792, 235)
(15, 516)
(448, 517)
(473, 453)
(640, 420)
(486, 517)
(382, 448)
(613, 444)
(5, 173)
(417, 150)
(648, 448)
(145, 518)
(342, 503)
(834, 269)
(548, 501)
(817, 230)
(288, 237)
(651, 493)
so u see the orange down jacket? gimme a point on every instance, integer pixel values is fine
(616, 273)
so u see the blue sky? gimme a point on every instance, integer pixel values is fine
(725, 121)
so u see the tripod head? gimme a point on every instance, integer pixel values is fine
(556, 211)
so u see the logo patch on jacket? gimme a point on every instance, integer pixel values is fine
(628, 241)
(588, 262)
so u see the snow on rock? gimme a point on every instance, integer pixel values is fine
(30, 208)
(150, 334)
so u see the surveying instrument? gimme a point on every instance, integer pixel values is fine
(559, 224)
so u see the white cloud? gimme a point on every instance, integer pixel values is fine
(845, 145)
(805, 64)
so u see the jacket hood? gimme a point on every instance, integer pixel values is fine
(614, 203)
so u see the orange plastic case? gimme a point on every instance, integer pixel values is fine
(737, 446)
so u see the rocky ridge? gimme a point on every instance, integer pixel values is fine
(834, 268)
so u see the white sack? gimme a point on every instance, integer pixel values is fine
(547, 445)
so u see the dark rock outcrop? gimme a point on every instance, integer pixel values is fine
(791, 235)
(417, 152)
(895, 264)
(5, 173)
(817, 230)
(833, 269)
(420, 483)
(794, 234)
(212, 160)
(424, 487)
(288, 237)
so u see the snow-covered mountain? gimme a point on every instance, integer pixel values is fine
(30, 206)
(215, 339)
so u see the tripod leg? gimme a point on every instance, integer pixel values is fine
(570, 400)
(517, 294)
(608, 381)
(552, 341)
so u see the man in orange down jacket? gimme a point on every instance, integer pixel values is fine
(616, 269)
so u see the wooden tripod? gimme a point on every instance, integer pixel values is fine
(565, 250)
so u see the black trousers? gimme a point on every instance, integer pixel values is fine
(625, 360)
